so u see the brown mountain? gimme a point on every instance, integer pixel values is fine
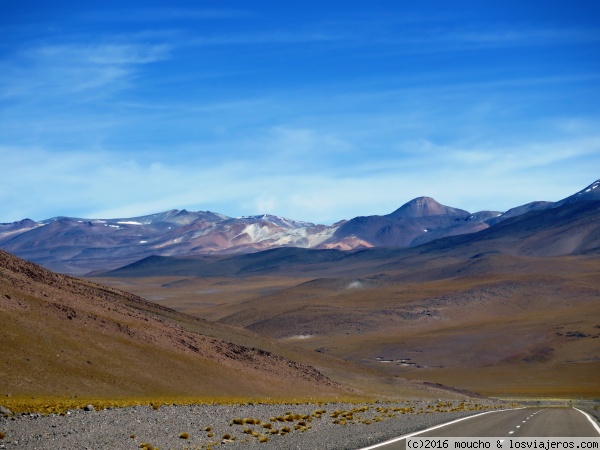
(426, 207)
(63, 336)
(570, 229)
(416, 222)
(511, 310)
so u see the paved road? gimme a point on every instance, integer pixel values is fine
(525, 422)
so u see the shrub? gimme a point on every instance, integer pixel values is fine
(146, 446)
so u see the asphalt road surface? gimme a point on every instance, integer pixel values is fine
(524, 422)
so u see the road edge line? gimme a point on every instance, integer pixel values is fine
(406, 436)
(590, 418)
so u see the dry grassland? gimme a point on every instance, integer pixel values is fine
(497, 325)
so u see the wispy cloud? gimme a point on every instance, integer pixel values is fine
(148, 14)
(51, 70)
(299, 173)
(332, 115)
(527, 37)
(272, 38)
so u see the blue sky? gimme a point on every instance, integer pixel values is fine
(316, 111)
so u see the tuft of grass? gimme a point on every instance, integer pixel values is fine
(210, 435)
(267, 426)
(184, 436)
(208, 429)
(228, 437)
(2, 435)
(263, 439)
(236, 421)
(285, 430)
(146, 446)
(155, 406)
(132, 436)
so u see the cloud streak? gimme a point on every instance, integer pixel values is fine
(319, 118)
(54, 70)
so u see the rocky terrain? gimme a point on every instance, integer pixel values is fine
(248, 426)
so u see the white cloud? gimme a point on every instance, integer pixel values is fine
(40, 183)
(58, 70)
(166, 14)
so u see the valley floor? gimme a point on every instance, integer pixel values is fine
(248, 426)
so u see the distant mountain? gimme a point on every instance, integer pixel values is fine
(568, 230)
(416, 222)
(78, 246)
(425, 207)
(590, 193)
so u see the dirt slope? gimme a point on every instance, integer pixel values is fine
(64, 336)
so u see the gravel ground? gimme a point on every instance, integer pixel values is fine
(310, 426)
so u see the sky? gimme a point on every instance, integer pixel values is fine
(313, 110)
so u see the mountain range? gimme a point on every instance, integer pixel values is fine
(79, 246)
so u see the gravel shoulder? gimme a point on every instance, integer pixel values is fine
(249, 426)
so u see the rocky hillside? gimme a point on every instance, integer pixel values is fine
(66, 337)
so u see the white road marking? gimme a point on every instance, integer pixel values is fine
(510, 432)
(590, 419)
(406, 436)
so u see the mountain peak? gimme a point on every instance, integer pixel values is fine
(425, 207)
(589, 193)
